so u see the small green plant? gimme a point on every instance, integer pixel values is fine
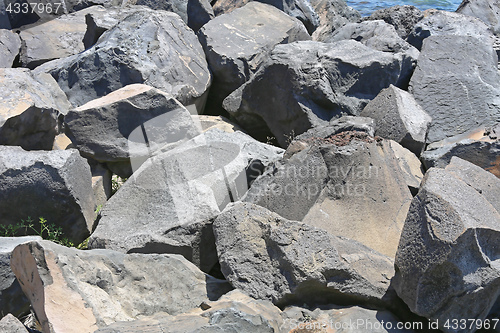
(47, 230)
(116, 183)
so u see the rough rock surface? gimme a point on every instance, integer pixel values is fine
(151, 47)
(55, 185)
(448, 254)
(306, 84)
(410, 165)
(477, 149)
(284, 261)
(299, 9)
(336, 126)
(237, 43)
(99, 287)
(458, 84)
(328, 319)
(194, 12)
(234, 312)
(10, 44)
(399, 117)
(30, 108)
(12, 299)
(166, 206)
(131, 122)
(54, 39)
(441, 22)
(326, 184)
(403, 18)
(222, 123)
(332, 14)
(487, 11)
(10, 324)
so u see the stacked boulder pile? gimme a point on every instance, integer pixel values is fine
(249, 166)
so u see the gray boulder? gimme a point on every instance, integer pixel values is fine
(233, 312)
(151, 47)
(31, 108)
(109, 129)
(12, 299)
(168, 203)
(447, 260)
(344, 177)
(380, 36)
(194, 12)
(299, 9)
(399, 117)
(440, 22)
(336, 126)
(306, 84)
(54, 39)
(100, 287)
(284, 261)
(332, 14)
(55, 185)
(458, 84)
(10, 44)
(236, 44)
(472, 147)
(487, 11)
(403, 18)
(10, 324)
(410, 165)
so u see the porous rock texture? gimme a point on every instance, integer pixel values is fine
(54, 185)
(448, 254)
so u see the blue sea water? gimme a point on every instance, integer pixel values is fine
(366, 7)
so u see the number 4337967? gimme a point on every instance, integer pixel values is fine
(33, 7)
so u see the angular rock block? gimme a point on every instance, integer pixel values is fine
(131, 122)
(403, 18)
(237, 43)
(10, 324)
(487, 11)
(55, 185)
(80, 291)
(447, 265)
(458, 84)
(12, 299)
(31, 106)
(306, 84)
(347, 184)
(152, 47)
(284, 261)
(442, 23)
(399, 117)
(332, 14)
(234, 312)
(9, 47)
(169, 202)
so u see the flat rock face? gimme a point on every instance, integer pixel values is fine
(12, 299)
(403, 18)
(306, 84)
(55, 185)
(457, 83)
(332, 14)
(284, 261)
(131, 122)
(327, 184)
(234, 312)
(30, 107)
(54, 39)
(400, 118)
(167, 205)
(10, 44)
(10, 324)
(442, 23)
(195, 13)
(487, 11)
(99, 287)
(237, 43)
(447, 261)
(151, 47)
